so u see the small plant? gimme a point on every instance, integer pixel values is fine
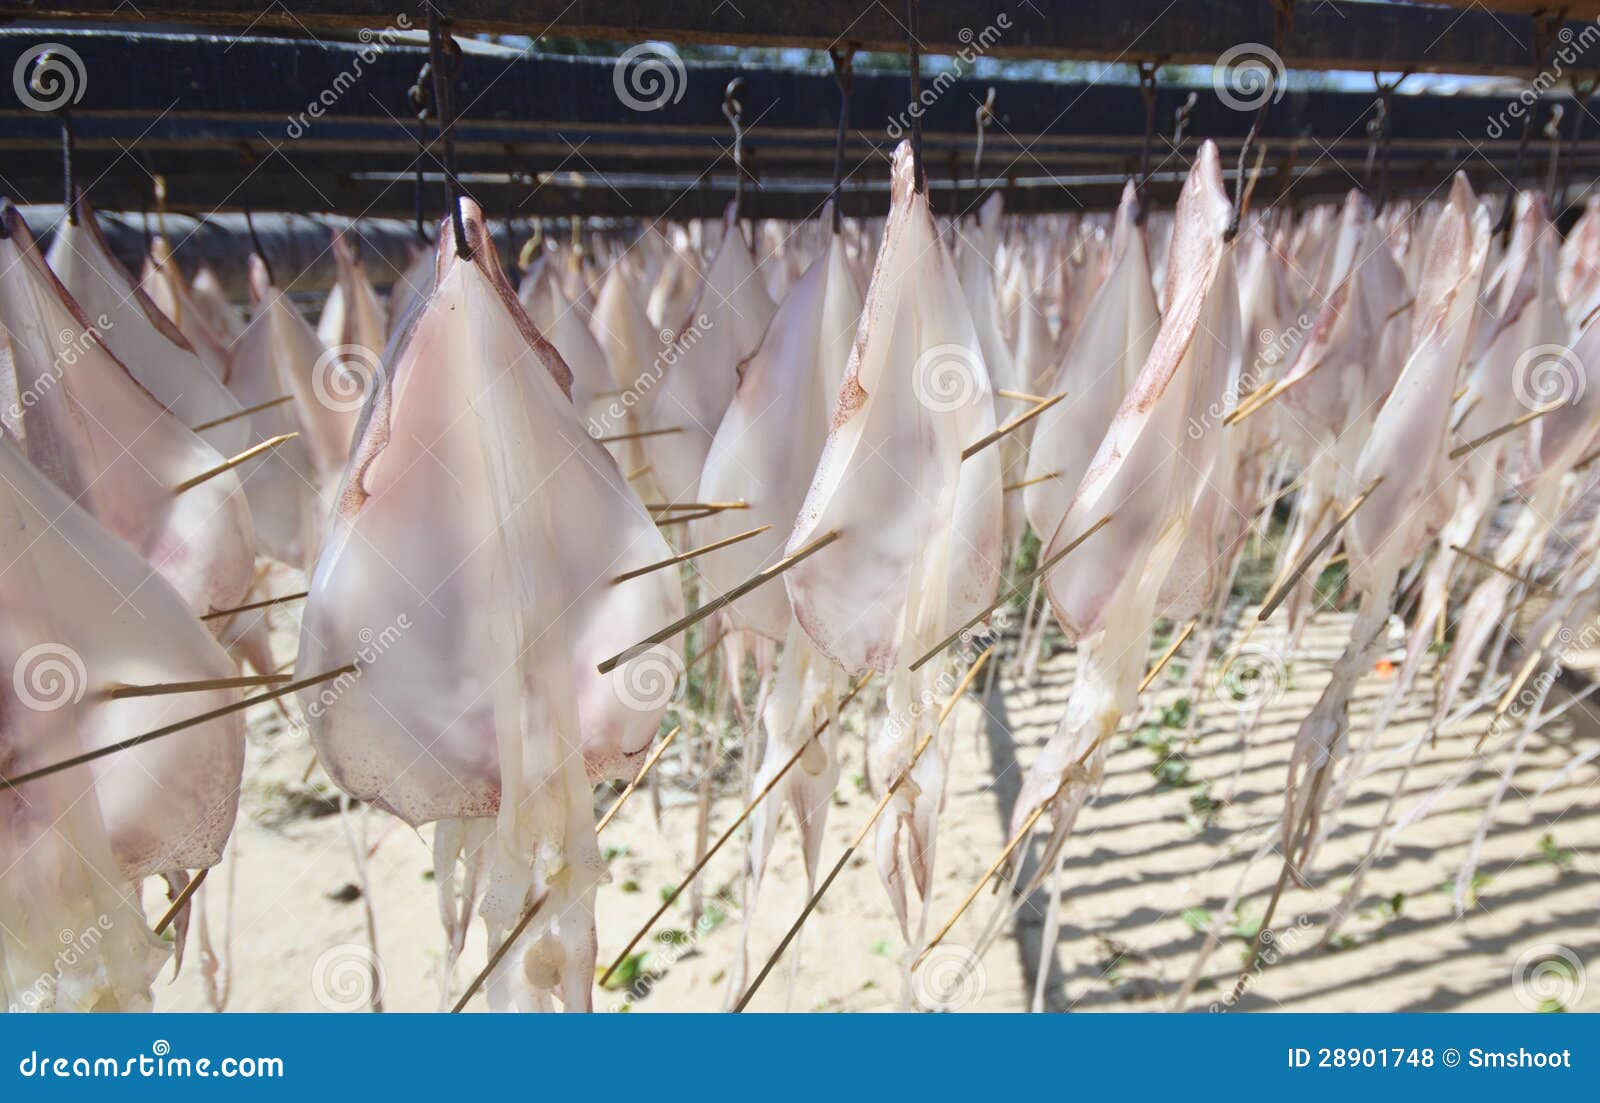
(1551, 854)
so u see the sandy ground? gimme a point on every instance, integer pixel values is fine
(1146, 873)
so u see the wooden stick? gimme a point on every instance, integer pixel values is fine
(680, 518)
(229, 464)
(682, 507)
(161, 689)
(694, 616)
(1281, 591)
(1012, 843)
(1016, 588)
(1009, 427)
(1515, 576)
(726, 835)
(1259, 398)
(655, 755)
(179, 901)
(1495, 434)
(861, 835)
(1020, 396)
(246, 412)
(496, 957)
(1166, 656)
(256, 605)
(1030, 482)
(636, 472)
(690, 554)
(169, 729)
(638, 434)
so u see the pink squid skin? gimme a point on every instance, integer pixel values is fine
(105, 440)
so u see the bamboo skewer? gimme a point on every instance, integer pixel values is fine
(533, 910)
(1016, 588)
(743, 815)
(638, 434)
(684, 557)
(1281, 591)
(229, 464)
(169, 729)
(237, 414)
(694, 616)
(256, 605)
(499, 954)
(1007, 489)
(679, 518)
(1515, 576)
(161, 689)
(636, 472)
(179, 901)
(655, 755)
(1510, 426)
(683, 507)
(1166, 656)
(1020, 396)
(1012, 843)
(1010, 427)
(861, 835)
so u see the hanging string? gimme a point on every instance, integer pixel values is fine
(1147, 92)
(733, 111)
(1282, 22)
(843, 75)
(37, 82)
(444, 110)
(1543, 30)
(1380, 133)
(418, 95)
(919, 179)
(1558, 201)
(1552, 133)
(255, 243)
(981, 118)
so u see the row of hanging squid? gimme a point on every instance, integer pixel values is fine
(818, 451)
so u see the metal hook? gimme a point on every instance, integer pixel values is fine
(981, 117)
(1180, 117)
(733, 111)
(446, 67)
(1147, 92)
(919, 179)
(1552, 133)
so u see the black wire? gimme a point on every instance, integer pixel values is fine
(444, 109)
(419, 106)
(255, 243)
(843, 74)
(1147, 90)
(69, 182)
(919, 179)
